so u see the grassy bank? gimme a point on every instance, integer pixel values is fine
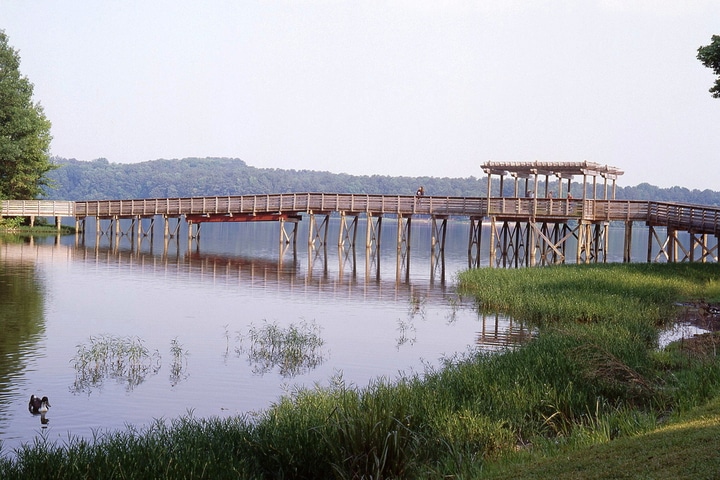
(16, 227)
(683, 448)
(592, 375)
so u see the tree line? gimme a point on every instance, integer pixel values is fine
(100, 179)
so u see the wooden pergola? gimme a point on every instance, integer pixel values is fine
(561, 170)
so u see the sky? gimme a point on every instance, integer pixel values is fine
(402, 88)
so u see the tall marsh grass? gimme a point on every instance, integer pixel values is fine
(591, 293)
(592, 374)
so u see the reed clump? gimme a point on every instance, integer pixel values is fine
(594, 373)
(124, 359)
(293, 350)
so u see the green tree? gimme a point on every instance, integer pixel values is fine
(24, 132)
(709, 55)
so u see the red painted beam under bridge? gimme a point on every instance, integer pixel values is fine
(243, 217)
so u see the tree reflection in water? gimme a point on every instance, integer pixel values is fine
(22, 321)
(124, 359)
(293, 350)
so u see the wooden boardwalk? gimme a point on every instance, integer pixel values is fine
(695, 218)
(540, 216)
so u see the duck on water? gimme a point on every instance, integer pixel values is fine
(40, 406)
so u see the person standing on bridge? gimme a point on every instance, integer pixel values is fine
(420, 191)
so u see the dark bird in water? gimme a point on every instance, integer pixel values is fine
(38, 405)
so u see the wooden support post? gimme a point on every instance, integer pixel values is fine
(404, 229)
(437, 246)
(475, 239)
(348, 233)
(627, 243)
(317, 234)
(438, 232)
(582, 243)
(372, 244)
(374, 227)
(285, 237)
(605, 239)
(672, 245)
(532, 245)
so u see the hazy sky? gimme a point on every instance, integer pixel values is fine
(409, 87)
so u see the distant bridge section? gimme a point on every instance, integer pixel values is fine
(37, 208)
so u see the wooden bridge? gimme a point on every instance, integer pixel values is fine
(525, 229)
(518, 224)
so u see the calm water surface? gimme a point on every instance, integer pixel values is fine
(200, 313)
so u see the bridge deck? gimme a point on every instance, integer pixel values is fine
(693, 218)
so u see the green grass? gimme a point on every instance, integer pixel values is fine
(591, 293)
(12, 232)
(685, 448)
(580, 400)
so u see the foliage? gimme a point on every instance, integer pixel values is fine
(709, 55)
(11, 223)
(24, 132)
(192, 177)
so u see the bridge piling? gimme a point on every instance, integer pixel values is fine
(475, 236)
(404, 229)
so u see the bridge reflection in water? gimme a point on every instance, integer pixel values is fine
(290, 274)
(136, 235)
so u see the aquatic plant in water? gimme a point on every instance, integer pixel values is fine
(124, 359)
(407, 333)
(178, 366)
(417, 306)
(293, 350)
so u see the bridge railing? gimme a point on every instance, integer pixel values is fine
(36, 208)
(615, 210)
(693, 218)
(564, 208)
(283, 203)
(528, 207)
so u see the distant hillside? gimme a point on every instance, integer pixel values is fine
(192, 177)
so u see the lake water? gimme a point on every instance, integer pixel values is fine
(117, 334)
